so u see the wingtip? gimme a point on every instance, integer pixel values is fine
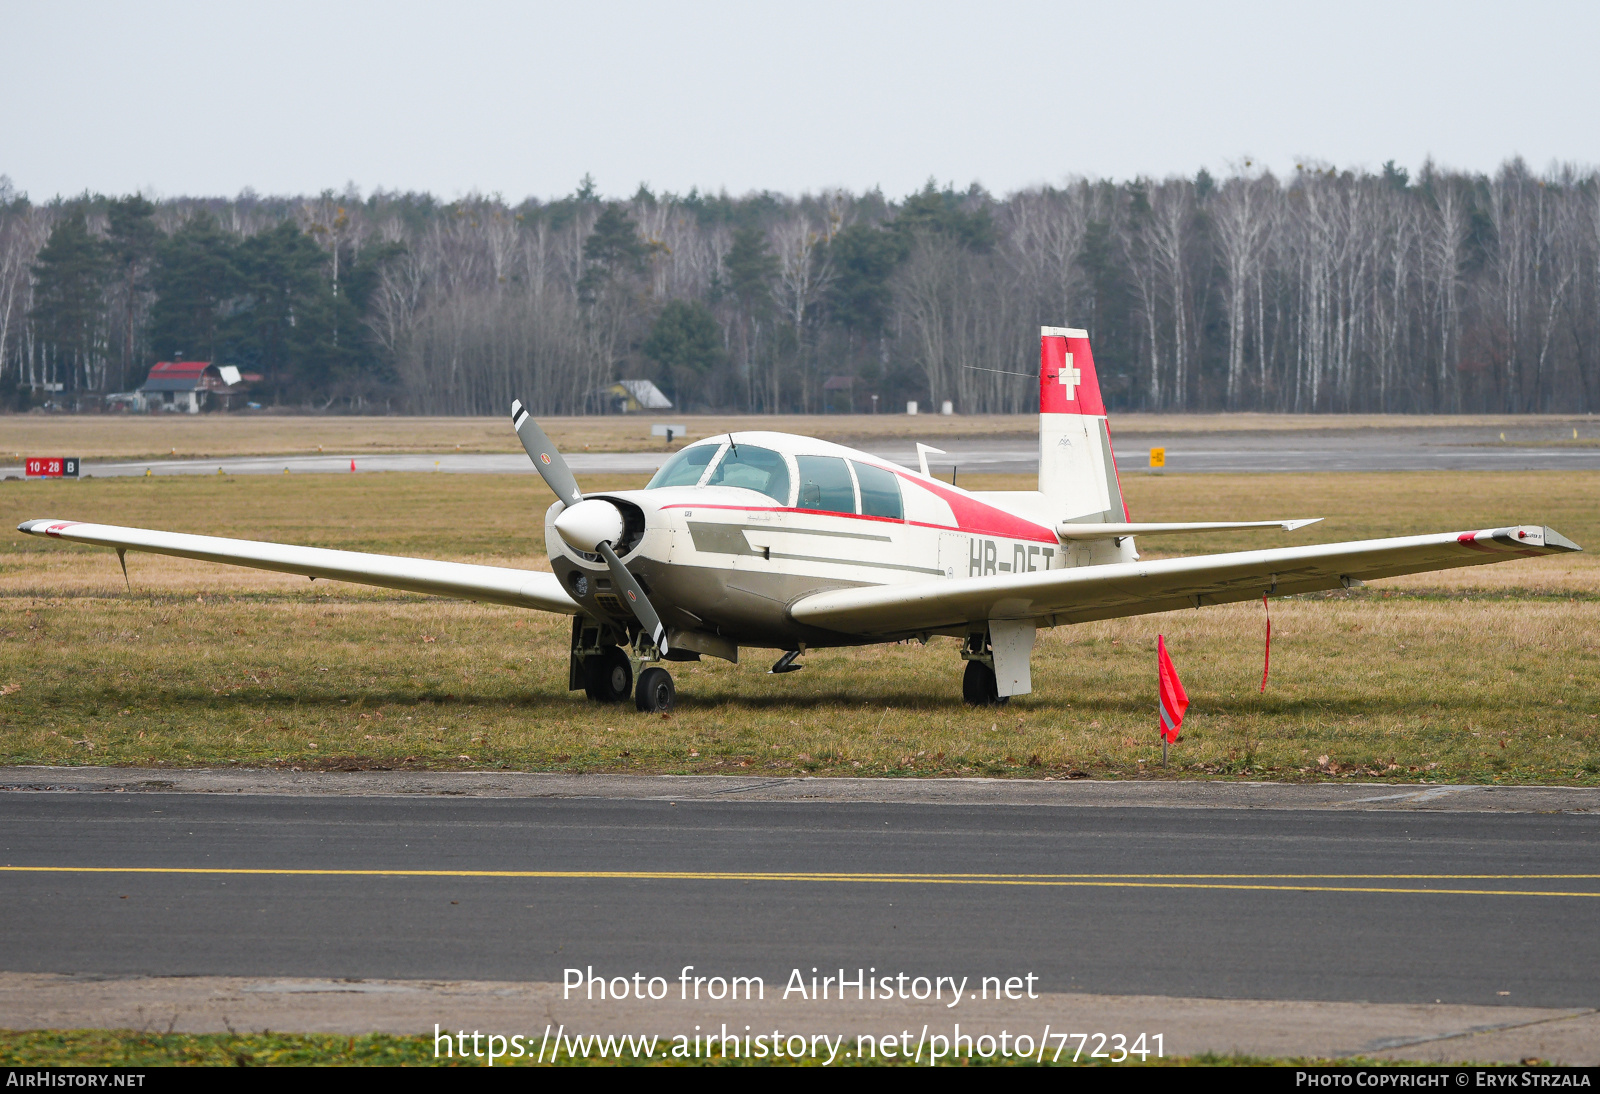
(1553, 538)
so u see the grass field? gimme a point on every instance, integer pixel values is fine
(120, 436)
(1479, 674)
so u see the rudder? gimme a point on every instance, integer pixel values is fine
(1077, 468)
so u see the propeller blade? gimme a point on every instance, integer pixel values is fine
(546, 460)
(642, 608)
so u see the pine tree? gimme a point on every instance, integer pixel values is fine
(131, 242)
(70, 278)
(194, 277)
(283, 323)
(686, 343)
(612, 252)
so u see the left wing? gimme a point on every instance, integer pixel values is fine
(1070, 530)
(494, 584)
(1084, 593)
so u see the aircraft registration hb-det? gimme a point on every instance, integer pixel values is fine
(780, 542)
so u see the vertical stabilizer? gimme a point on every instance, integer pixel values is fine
(1077, 470)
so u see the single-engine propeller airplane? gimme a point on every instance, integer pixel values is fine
(780, 542)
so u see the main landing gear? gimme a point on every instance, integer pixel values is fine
(978, 685)
(608, 676)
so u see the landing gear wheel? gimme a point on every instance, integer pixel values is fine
(608, 677)
(656, 693)
(978, 687)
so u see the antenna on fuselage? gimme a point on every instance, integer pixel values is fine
(733, 448)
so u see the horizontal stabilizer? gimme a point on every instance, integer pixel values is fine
(495, 584)
(1116, 531)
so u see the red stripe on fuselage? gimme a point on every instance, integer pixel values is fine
(981, 518)
(972, 516)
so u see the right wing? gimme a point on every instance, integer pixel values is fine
(493, 584)
(1082, 593)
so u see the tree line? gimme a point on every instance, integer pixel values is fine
(1325, 291)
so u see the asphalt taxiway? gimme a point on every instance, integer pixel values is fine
(1370, 894)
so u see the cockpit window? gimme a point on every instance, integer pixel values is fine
(880, 492)
(685, 467)
(752, 468)
(825, 484)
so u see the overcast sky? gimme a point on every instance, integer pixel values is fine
(522, 99)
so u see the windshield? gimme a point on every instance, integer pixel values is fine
(684, 468)
(752, 468)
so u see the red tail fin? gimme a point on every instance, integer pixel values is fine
(1067, 380)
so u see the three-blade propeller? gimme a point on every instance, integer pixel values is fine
(582, 524)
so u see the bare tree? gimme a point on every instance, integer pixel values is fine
(1244, 232)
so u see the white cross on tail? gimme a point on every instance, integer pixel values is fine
(1069, 377)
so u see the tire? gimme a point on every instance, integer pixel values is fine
(656, 693)
(608, 678)
(978, 687)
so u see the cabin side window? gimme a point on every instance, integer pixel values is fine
(825, 484)
(880, 491)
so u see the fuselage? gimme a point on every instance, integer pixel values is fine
(735, 528)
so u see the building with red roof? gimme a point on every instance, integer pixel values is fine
(191, 386)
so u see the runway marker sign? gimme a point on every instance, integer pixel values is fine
(51, 467)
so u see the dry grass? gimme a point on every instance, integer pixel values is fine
(116, 436)
(126, 1048)
(1478, 674)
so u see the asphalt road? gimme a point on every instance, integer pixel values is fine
(1412, 449)
(1391, 936)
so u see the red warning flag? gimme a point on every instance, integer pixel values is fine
(1174, 700)
(1266, 656)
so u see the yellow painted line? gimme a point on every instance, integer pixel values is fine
(1129, 881)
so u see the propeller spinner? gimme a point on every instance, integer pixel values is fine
(590, 525)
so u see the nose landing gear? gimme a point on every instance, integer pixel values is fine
(655, 693)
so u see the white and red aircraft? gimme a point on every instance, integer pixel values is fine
(781, 542)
